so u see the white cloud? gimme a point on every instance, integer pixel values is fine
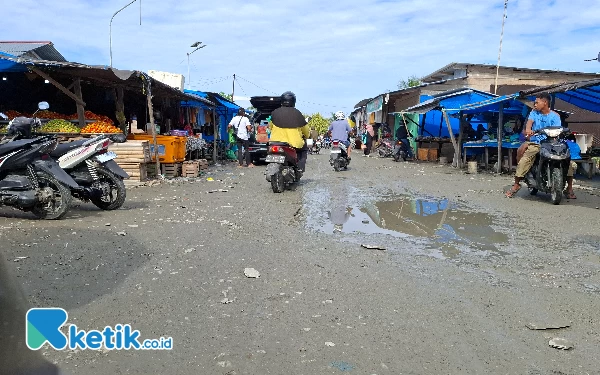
(334, 53)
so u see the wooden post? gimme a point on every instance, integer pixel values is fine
(120, 109)
(80, 109)
(461, 116)
(455, 162)
(151, 112)
(500, 127)
(215, 137)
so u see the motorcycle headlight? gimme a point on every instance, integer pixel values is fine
(552, 132)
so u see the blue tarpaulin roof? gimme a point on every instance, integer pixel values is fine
(583, 94)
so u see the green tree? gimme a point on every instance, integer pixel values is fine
(319, 123)
(226, 96)
(411, 81)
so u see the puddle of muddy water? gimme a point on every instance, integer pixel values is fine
(442, 227)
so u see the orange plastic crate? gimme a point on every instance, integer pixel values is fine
(171, 149)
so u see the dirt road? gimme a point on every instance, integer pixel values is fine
(463, 272)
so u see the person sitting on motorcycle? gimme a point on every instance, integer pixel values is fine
(288, 125)
(402, 136)
(540, 117)
(314, 135)
(340, 130)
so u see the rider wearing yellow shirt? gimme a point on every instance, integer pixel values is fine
(289, 125)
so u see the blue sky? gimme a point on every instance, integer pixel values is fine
(331, 54)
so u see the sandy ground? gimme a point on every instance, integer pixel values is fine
(463, 272)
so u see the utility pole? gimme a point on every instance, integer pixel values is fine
(500, 50)
(198, 46)
(110, 26)
(233, 93)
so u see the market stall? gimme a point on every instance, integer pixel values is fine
(31, 81)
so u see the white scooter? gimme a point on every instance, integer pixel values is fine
(92, 166)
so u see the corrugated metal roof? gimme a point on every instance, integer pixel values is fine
(102, 75)
(455, 66)
(34, 50)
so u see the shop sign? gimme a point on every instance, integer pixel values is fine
(375, 104)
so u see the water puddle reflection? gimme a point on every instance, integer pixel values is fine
(442, 227)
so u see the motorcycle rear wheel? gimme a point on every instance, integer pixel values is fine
(557, 186)
(336, 165)
(60, 194)
(116, 196)
(277, 183)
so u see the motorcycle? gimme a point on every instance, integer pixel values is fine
(327, 142)
(92, 166)
(30, 180)
(385, 148)
(282, 168)
(400, 151)
(338, 157)
(89, 163)
(549, 171)
(313, 147)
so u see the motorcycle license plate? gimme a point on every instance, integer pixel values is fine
(336, 151)
(275, 159)
(103, 158)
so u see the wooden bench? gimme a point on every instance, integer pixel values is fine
(590, 163)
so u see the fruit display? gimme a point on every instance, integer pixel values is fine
(58, 126)
(12, 114)
(49, 115)
(100, 127)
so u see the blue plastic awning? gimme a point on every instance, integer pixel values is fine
(583, 97)
(8, 65)
(450, 100)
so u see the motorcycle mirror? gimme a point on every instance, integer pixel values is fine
(5, 117)
(43, 106)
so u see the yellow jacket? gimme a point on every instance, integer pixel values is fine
(292, 136)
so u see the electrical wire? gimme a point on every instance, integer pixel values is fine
(272, 92)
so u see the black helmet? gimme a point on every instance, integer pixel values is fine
(288, 99)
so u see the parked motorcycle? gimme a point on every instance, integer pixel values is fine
(338, 156)
(549, 171)
(385, 148)
(30, 180)
(399, 151)
(282, 168)
(88, 161)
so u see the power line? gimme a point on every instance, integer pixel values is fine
(272, 92)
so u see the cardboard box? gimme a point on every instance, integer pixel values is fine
(427, 154)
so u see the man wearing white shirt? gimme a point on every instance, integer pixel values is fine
(241, 125)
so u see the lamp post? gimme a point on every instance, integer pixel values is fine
(110, 26)
(196, 45)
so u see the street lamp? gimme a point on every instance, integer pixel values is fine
(110, 25)
(196, 45)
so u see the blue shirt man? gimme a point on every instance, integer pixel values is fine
(339, 130)
(541, 121)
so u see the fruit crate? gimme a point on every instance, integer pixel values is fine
(190, 168)
(136, 171)
(202, 164)
(171, 169)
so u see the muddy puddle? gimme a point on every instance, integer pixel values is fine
(438, 226)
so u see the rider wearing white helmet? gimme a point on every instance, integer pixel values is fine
(340, 130)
